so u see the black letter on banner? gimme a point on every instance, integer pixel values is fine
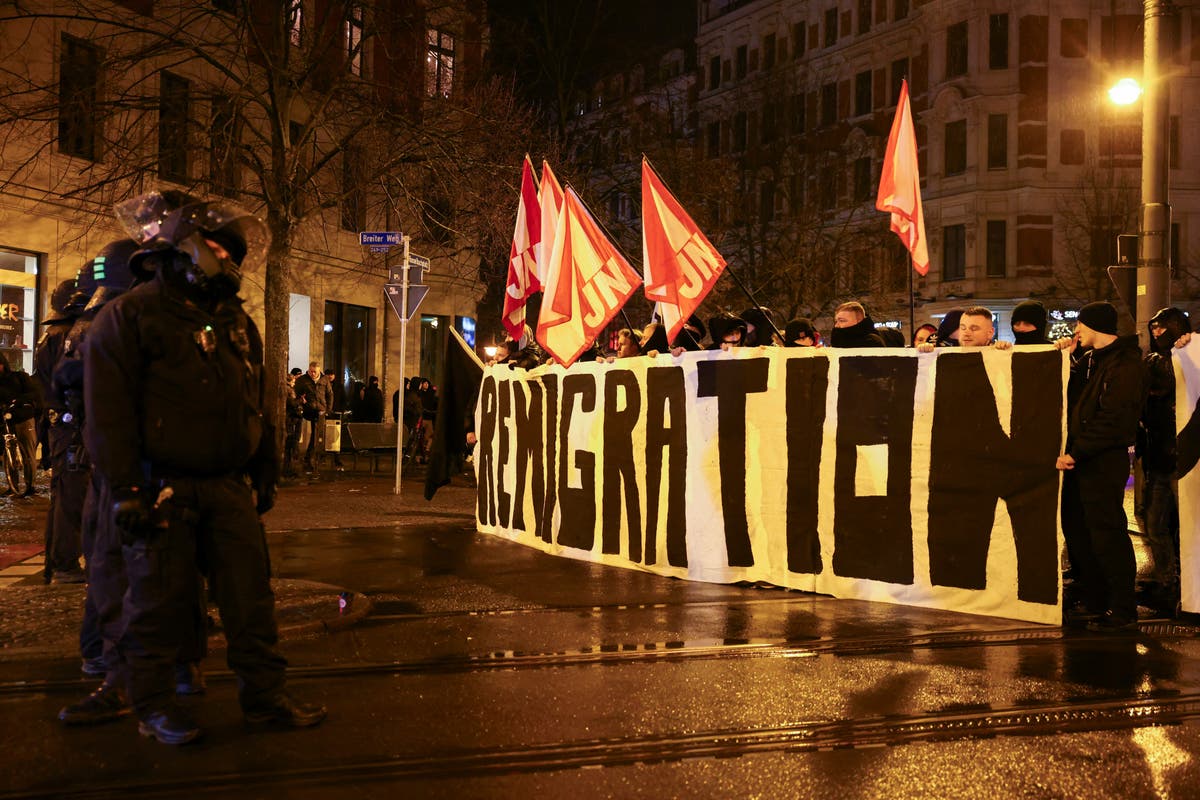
(730, 382)
(486, 504)
(503, 499)
(972, 464)
(546, 521)
(807, 384)
(578, 506)
(530, 447)
(620, 474)
(666, 397)
(872, 534)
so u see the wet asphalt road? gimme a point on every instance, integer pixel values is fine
(489, 670)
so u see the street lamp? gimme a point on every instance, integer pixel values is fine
(1125, 92)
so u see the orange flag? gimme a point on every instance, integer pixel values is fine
(588, 281)
(522, 258)
(900, 184)
(550, 198)
(681, 264)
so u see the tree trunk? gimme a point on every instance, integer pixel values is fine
(275, 338)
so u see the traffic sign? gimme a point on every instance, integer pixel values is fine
(416, 276)
(388, 238)
(395, 296)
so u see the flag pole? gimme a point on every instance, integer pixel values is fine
(912, 302)
(728, 267)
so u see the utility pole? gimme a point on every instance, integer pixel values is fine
(1154, 223)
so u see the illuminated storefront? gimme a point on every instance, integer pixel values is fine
(18, 306)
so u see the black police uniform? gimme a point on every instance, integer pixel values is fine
(174, 396)
(68, 479)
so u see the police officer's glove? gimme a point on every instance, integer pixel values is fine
(131, 513)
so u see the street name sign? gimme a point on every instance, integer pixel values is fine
(380, 238)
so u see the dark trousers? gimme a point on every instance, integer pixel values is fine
(68, 489)
(291, 444)
(1162, 527)
(209, 522)
(103, 607)
(27, 442)
(1097, 533)
(316, 430)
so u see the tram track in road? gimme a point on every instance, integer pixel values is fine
(656, 652)
(801, 737)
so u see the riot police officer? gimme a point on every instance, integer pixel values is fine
(173, 383)
(67, 486)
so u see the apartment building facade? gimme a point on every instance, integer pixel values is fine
(1028, 171)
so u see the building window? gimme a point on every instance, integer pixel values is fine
(956, 50)
(799, 31)
(831, 23)
(997, 240)
(862, 93)
(1121, 37)
(862, 178)
(827, 189)
(714, 72)
(864, 16)
(954, 252)
(78, 98)
(799, 121)
(1071, 150)
(998, 41)
(899, 73)
(439, 63)
(173, 103)
(766, 202)
(224, 136)
(353, 39)
(714, 139)
(768, 50)
(739, 132)
(1073, 37)
(295, 22)
(740, 61)
(769, 127)
(956, 147)
(900, 9)
(1121, 141)
(828, 104)
(997, 141)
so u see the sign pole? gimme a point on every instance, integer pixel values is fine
(403, 345)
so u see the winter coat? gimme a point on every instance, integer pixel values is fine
(1109, 387)
(1156, 434)
(860, 334)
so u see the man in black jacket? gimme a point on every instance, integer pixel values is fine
(177, 426)
(1169, 328)
(853, 327)
(1106, 395)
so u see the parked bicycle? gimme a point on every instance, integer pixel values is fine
(14, 462)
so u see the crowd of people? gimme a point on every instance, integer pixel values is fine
(1118, 400)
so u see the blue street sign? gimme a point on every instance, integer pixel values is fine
(390, 238)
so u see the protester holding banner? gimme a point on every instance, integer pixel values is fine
(1106, 394)
(853, 327)
(801, 333)
(923, 333)
(727, 331)
(947, 332)
(1156, 447)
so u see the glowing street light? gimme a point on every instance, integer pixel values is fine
(1125, 92)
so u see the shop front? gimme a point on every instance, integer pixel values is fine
(18, 307)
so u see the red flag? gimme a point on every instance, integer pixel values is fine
(550, 197)
(522, 258)
(588, 281)
(681, 264)
(900, 184)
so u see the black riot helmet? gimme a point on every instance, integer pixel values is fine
(107, 275)
(218, 239)
(60, 298)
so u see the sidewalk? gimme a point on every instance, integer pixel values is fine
(39, 620)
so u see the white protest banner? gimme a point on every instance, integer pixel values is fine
(889, 475)
(1187, 423)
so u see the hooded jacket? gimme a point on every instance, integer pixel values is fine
(1156, 435)
(1109, 388)
(947, 327)
(720, 327)
(860, 334)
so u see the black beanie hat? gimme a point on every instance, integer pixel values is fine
(1030, 311)
(1100, 317)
